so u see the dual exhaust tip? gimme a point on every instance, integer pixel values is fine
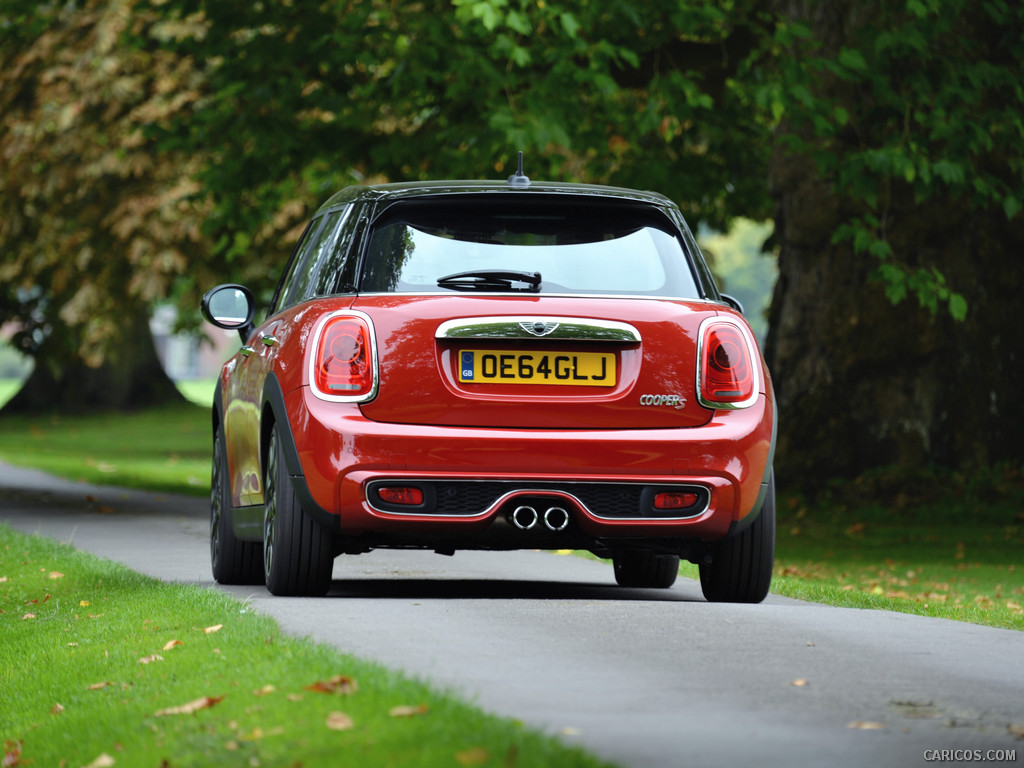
(525, 517)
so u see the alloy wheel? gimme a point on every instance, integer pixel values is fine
(216, 502)
(270, 505)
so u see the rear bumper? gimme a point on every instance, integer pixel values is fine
(338, 453)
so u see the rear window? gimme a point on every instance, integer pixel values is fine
(577, 246)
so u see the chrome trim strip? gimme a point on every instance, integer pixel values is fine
(540, 491)
(512, 327)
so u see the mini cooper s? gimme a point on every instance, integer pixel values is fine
(493, 366)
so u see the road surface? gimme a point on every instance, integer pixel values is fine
(644, 678)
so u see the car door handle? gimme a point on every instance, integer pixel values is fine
(269, 340)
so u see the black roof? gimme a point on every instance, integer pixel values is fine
(386, 193)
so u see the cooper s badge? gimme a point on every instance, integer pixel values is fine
(673, 401)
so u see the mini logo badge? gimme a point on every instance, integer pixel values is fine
(538, 327)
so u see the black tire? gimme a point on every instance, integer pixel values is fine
(297, 553)
(641, 568)
(741, 566)
(233, 561)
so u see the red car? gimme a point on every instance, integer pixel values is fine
(494, 365)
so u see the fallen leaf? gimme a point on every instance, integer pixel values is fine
(98, 686)
(56, 575)
(340, 684)
(339, 721)
(171, 643)
(83, 603)
(191, 707)
(474, 756)
(294, 697)
(214, 628)
(12, 754)
(151, 658)
(103, 761)
(799, 682)
(28, 616)
(1017, 731)
(408, 711)
(3, 579)
(56, 709)
(866, 725)
(265, 690)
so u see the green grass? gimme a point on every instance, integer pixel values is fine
(945, 546)
(163, 449)
(199, 391)
(8, 388)
(93, 656)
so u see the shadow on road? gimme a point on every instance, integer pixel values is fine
(499, 589)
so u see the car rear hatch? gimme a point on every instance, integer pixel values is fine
(551, 362)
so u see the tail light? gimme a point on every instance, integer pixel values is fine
(344, 363)
(728, 375)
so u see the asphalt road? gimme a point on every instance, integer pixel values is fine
(644, 678)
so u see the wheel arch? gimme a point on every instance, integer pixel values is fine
(274, 413)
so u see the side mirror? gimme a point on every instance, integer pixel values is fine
(733, 302)
(231, 307)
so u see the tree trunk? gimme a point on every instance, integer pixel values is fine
(130, 377)
(863, 384)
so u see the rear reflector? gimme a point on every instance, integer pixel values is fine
(400, 494)
(675, 500)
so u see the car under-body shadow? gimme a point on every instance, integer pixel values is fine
(504, 589)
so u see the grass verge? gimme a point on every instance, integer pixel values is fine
(100, 665)
(945, 546)
(162, 449)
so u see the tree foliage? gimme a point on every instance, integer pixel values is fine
(909, 104)
(94, 224)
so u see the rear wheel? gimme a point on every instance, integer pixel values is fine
(234, 561)
(741, 566)
(297, 555)
(641, 568)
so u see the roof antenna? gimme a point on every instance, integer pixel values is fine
(519, 179)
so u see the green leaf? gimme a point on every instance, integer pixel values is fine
(570, 25)
(853, 59)
(957, 307)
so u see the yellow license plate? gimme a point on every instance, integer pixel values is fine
(502, 366)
